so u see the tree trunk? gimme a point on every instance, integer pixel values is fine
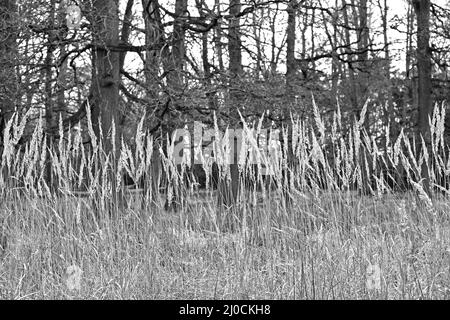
(422, 8)
(290, 50)
(291, 75)
(212, 103)
(154, 36)
(48, 74)
(8, 48)
(176, 78)
(257, 35)
(363, 52)
(63, 62)
(105, 90)
(229, 183)
(353, 86)
(234, 39)
(333, 39)
(273, 45)
(218, 38)
(106, 71)
(409, 96)
(389, 109)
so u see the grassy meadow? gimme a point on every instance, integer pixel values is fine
(309, 233)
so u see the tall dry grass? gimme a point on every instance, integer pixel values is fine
(329, 212)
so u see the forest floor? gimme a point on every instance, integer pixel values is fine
(328, 246)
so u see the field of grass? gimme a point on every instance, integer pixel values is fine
(291, 241)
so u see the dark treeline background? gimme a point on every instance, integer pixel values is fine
(178, 61)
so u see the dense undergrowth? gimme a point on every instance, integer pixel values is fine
(341, 216)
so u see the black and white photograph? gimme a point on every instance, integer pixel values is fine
(243, 151)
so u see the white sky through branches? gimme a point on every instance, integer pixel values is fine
(396, 20)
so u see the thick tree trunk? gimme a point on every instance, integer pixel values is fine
(363, 34)
(229, 184)
(63, 62)
(154, 37)
(422, 8)
(105, 90)
(234, 41)
(176, 77)
(105, 71)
